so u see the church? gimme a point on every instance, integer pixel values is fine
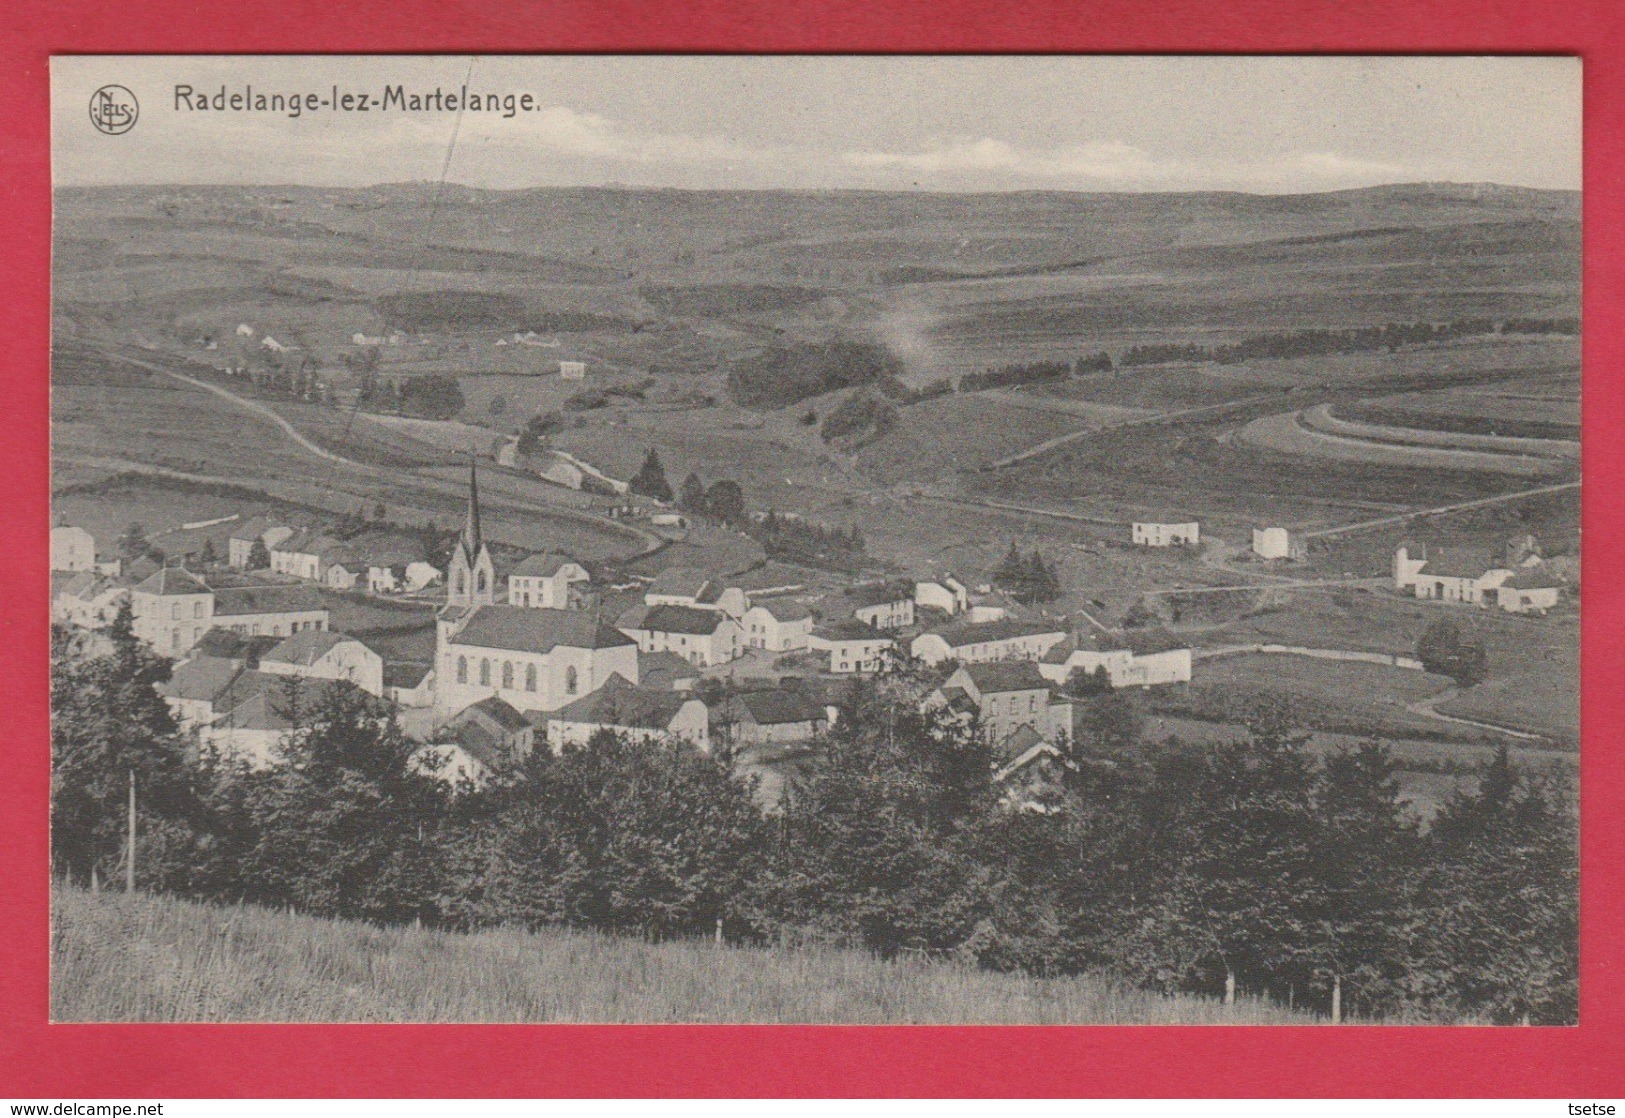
(533, 659)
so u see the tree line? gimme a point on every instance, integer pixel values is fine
(1254, 864)
(1314, 343)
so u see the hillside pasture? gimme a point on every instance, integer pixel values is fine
(1296, 433)
(151, 959)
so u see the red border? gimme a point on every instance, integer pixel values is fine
(472, 1061)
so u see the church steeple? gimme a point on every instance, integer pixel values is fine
(471, 530)
(471, 578)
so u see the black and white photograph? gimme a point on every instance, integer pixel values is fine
(1064, 540)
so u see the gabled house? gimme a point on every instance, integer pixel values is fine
(409, 684)
(666, 671)
(946, 593)
(1450, 575)
(685, 586)
(544, 581)
(269, 611)
(258, 529)
(72, 549)
(639, 713)
(1007, 695)
(704, 637)
(779, 625)
(324, 654)
(86, 599)
(775, 716)
(477, 743)
(307, 555)
(1154, 533)
(1532, 590)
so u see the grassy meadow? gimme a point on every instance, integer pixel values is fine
(146, 958)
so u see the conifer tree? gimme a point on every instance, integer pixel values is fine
(650, 480)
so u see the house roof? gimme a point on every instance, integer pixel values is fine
(1532, 578)
(779, 707)
(1461, 563)
(237, 601)
(172, 581)
(498, 710)
(958, 700)
(784, 610)
(518, 629)
(873, 594)
(1006, 675)
(664, 668)
(851, 630)
(1020, 740)
(711, 593)
(399, 673)
(77, 583)
(619, 703)
(544, 564)
(262, 709)
(307, 647)
(680, 619)
(678, 582)
(961, 634)
(253, 528)
(205, 678)
(227, 645)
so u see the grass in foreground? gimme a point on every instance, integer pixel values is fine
(142, 958)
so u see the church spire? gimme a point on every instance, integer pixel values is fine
(471, 530)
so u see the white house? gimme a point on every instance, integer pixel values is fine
(1464, 575)
(259, 529)
(946, 593)
(171, 610)
(702, 636)
(852, 646)
(1276, 543)
(684, 586)
(1151, 533)
(244, 330)
(543, 581)
(978, 641)
(1130, 659)
(778, 626)
(324, 654)
(572, 370)
(272, 344)
(639, 713)
(883, 605)
(1409, 559)
(269, 611)
(409, 684)
(72, 549)
(86, 599)
(776, 716)
(306, 555)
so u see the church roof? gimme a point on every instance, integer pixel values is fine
(172, 581)
(519, 629)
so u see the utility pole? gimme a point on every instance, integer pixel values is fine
(129, 862)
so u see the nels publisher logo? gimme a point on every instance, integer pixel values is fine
(113, 110)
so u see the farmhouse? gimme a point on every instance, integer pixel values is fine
(273, 611)
(1529, 591)
(420, 576)
(543, 582)
(702, 636)
(778, 626)
(258, 529)
(1130, 659)
(199, 689)
(324, 654)
(852, 646)
(387, 571)
(666, 671)
(639, 713)
(171, 609)
(1153, 533)
(306, 554)
(883, 605)
(1007, 696)
(490, 730)
(973, 642)
(72, 549)
(946, 593)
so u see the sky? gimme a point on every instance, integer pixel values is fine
(1099, 123)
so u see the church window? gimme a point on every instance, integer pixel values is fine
(462, 584)
(479, 582)
(462, 669)
(530, 677)
(507, 675)
(570, 681)
(485, 673)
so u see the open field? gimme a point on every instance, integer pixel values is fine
(144, 958)
(1314, 434)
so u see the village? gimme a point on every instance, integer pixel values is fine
(538, 655)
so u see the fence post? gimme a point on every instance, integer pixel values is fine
(1337, 999)
(1229, 987)
(129, 862)
(719, 931)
